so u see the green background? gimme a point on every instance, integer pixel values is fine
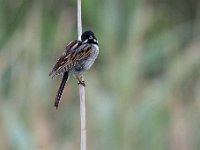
(142, 93)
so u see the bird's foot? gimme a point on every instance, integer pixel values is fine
(82, 83)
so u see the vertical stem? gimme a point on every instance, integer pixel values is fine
(82, 115)
(81, 87)
(79, 20)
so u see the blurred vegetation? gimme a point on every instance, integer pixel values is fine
(142, 92)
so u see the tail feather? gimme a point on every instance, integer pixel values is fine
(60, 90)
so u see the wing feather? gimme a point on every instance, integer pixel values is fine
(64, 58)
(75, 53)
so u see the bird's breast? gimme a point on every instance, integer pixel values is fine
(89, 62)
(86, 64)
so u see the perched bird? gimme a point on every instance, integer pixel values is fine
(78, 56)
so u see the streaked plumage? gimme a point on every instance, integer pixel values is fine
(78, 57)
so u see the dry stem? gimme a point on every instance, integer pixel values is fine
(81, 87)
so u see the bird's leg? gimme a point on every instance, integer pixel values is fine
(80, 80)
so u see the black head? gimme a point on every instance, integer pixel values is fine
(89, 37)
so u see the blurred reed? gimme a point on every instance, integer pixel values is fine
(142, 93)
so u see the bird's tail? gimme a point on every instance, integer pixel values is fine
(60, 90)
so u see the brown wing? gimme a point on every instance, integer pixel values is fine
(65, 58)
(75, 57)
(83, 53)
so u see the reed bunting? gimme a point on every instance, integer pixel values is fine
(78, 56)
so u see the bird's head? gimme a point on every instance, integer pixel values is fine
(89, 37)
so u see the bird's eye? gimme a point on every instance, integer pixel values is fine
(90, 37)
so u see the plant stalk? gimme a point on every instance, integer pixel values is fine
(81, 87)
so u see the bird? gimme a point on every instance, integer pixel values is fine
(78, 57)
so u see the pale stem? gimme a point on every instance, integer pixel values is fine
(81, 87)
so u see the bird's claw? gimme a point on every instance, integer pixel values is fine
(82, 83)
